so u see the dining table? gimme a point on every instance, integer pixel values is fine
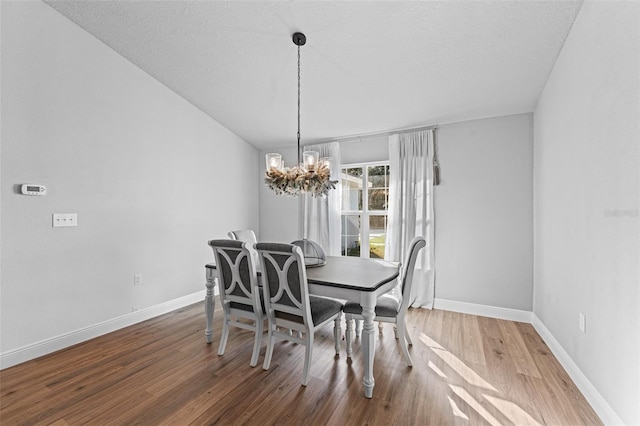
(354, 279)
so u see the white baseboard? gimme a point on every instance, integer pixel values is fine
(597, 402)
(483, 310)
(595, 399)
(44, 347)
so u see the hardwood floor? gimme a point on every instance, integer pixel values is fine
(467, 370)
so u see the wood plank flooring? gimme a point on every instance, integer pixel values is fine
(467, 370)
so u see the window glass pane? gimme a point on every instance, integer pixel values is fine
(377, 176)
(377, 236)
(378, 199)
(378, 187)
(351, 235)
(352, 188)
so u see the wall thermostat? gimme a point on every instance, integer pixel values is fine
(32, 189)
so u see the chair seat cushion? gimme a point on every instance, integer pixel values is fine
(387, 306)
(322, 309)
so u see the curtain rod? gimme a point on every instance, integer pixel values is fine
(387, 133)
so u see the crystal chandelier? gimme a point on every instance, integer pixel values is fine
(312, 175)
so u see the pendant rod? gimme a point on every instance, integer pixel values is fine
(299, 39)
(298, 134)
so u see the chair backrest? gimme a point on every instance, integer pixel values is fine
(284, 280)
(408, 268)
(246, 235)
(249, 237)
(236, 274)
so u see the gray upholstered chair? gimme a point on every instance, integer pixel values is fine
(288, 303)
(390, 308)
(245, 235)
(249, 237)
(240, 295)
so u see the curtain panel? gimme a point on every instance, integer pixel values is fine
(411, 162)
(321, 215)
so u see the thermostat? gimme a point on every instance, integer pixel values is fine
(32, 189)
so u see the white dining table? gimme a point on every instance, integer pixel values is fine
(354, 279)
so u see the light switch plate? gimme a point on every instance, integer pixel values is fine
(582, 322)
(65, 219)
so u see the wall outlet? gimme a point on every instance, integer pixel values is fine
(65, 219)
(137, 279)
(582, 322)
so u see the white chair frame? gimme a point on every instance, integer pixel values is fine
(250, 295)
(307, 328)
(401, 332)
(245, 235)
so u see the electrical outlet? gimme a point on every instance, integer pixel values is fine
(582, 322)
(137, 279)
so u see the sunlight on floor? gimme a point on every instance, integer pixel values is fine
(461, 368)
(437, 370)
(456, 411)
(473, 403)
(509, 409)
(430, 342)
(512, 411)
(454, 362)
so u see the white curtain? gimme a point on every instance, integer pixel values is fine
(321, 215)
(411, 208)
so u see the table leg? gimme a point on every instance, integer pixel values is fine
(368, 303)
(209, 305)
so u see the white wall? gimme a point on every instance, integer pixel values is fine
(484, 219)
(364, 150)
(587, 231)
(280, 219)
(149, 175)
(484, 224)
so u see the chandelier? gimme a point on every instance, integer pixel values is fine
(312, 175)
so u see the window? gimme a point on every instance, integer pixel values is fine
(365, 203)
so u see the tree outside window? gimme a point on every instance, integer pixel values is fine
(365, 199)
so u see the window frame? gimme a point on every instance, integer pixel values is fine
(364, 214)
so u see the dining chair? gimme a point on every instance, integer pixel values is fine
(288, 304)
(388, 307)
(246, 235)
(240, 296)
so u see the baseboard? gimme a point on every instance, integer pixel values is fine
(44, 347)
(483, 310)
(591, 394)
(597, 402)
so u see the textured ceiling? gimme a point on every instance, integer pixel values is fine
(367, 66)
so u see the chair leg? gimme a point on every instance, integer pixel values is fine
(403, 342)
(337, 332)
(349, 334)
(407, 335)
(225, 334)
(269, 352)
(358, 327)
(307, 357)
(256, 342)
